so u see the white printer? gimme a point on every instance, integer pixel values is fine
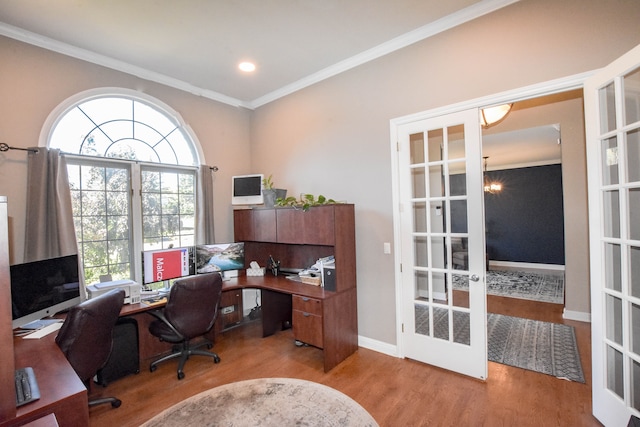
(131, 288)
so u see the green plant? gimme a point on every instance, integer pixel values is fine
(267, 183)
(304, 202)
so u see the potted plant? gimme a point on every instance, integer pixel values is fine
(271, 194)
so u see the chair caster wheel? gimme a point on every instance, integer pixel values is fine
(116, 403)
(152, 368)
(180, 375)
(216, 359)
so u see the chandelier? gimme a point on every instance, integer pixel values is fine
(490, 187)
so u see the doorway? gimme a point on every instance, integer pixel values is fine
(526, 226)
(575, 211)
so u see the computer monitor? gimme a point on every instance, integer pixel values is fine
(247, 190)
(219, 257)
(162, 265)
(43, 288)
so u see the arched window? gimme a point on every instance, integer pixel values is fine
(132, 167)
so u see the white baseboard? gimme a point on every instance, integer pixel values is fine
(580, 316)
(525, 266)
(379, 346)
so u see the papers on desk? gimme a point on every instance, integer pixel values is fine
(44, 331)
(153, 301)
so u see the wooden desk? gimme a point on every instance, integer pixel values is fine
(322, 318)
(61, 391)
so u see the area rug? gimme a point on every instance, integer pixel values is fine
(266, 402)
(548, 348)
(519, 284)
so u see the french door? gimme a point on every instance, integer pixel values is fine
(440, 213)
(612, 112)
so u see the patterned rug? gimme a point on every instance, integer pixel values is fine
(548, 348)
(518, 284)
(266, 402)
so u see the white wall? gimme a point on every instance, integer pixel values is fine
(333, 138)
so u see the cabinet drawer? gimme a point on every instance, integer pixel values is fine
(307, 328)
(308, 305)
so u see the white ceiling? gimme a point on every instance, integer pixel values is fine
(196, 45)
(522, 148)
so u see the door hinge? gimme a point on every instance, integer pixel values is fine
(403, 328)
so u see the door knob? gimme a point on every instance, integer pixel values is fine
(474, 278)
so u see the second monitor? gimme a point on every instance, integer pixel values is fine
(219, 257)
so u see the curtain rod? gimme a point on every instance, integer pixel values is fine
(5, 147)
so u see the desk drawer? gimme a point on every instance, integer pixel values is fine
(308, 305)
(307, 328)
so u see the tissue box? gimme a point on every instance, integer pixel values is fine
(255, 271)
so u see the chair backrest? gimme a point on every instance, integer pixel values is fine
(193, 303)
(85, 337)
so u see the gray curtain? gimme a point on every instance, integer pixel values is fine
(49, 230)
(204, 202)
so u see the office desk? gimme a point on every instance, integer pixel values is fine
(61, 391)
(321, 318)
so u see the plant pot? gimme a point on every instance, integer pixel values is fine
(271, 195)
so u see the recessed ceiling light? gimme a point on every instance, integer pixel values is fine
(247, 67)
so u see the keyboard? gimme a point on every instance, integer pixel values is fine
(26, 386)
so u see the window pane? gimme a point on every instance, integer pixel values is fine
(168, 209)
(632, 97)
(117, 127)
(610, 161)
(607, 100)
(633, 156)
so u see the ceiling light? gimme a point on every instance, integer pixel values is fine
(494, 115)
(247, 67)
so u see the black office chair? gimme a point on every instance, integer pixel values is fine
(191, 311)
(86, 337)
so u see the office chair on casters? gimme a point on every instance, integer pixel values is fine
(191, 311)
(86, 338)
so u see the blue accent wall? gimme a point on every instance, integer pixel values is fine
(524, 222)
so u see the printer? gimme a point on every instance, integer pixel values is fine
(132, 289)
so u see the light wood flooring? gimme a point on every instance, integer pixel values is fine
(396, 392)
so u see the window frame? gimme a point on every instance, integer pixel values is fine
(134, 167)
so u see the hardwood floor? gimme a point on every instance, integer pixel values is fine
(396, 392)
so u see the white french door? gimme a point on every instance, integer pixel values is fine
(612, 117)
(440, 212)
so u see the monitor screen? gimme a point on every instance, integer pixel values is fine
(43, 288)
(247, 190)
(219, 257)
(166, 264)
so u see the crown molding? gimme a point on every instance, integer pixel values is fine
(470, 13)
(114, 64)
(458, 18)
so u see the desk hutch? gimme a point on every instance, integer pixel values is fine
(326, 319)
